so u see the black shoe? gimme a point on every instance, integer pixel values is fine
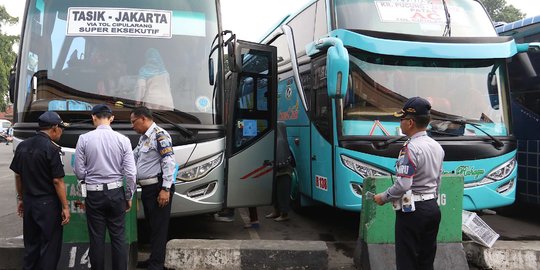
(142, 264)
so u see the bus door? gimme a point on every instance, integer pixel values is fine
(251, 125)
(321, 136)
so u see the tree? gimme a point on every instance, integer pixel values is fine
(499, 11)
(7, 56)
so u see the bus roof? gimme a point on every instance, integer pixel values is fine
(518, 24)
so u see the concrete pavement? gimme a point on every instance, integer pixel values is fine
(522, 255)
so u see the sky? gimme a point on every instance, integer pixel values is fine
(251, 19)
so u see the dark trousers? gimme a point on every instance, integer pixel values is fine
(158, 219)
(42, 231)
(283, 193)
(253, 216)
(416, 236)
(106, 210)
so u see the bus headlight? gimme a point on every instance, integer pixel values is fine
(200, 169)
(496, 174)
(502, 171)
(361, 168)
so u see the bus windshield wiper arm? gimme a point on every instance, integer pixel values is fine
(442, 132)
(447, 27)
(380, 145)
(496, 142)
(186, 132)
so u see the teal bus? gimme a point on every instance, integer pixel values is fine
(524, 70)
(344, 66)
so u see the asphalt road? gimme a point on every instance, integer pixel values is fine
(10, 223)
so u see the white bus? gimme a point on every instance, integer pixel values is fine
(75, 54)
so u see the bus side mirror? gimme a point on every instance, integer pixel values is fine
(12, 75)
(12, 86)
(211, 73)
(233, 58)
(493, 90)
(337, 64)
(337, 69)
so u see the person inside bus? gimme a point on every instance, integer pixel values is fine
(110, 71)
(153, 84)
(284, 167)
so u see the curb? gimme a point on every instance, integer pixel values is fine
(11, 253)
(518, 255)
(286, 254)
(246, 254)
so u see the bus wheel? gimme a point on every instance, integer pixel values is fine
(295, 203)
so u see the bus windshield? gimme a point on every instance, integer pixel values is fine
(79, 53)
(457, 90)
(419, 17)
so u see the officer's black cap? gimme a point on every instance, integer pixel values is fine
(100, 108)
(414, 106)
(50, 118)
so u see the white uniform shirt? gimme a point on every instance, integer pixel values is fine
(418, 168)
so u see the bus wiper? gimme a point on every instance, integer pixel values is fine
(77, 123)
(380, 145)
(442, 132)
(496, 142)
(186, 132)
(447, 28)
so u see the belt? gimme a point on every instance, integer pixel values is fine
(148, 181)
(423, 197)
(100, 187)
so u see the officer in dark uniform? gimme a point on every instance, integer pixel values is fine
(415, 191)
(41, 193)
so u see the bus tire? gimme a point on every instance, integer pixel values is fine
(296, 200)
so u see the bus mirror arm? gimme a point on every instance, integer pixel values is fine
(533, 47)
(287, 30)
(230, 43)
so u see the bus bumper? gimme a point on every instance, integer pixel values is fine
(487, 196)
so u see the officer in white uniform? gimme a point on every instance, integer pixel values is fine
(415, 191)
(156, 165)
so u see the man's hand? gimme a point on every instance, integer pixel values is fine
(65, 215)
(163, 198)
(20, 208)
(378, 199)
(128, 205)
